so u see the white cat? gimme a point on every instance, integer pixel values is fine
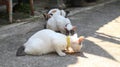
(58, 11)
(46, 41)
(60, 23)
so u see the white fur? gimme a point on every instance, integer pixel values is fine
(58, 22)
(46, 41)
(59, 12)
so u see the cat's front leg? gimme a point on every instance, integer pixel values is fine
(59, 51)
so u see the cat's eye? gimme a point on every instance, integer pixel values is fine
(51, 14)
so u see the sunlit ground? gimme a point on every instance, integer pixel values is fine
(106, 37)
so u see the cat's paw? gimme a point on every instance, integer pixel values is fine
(62, 54)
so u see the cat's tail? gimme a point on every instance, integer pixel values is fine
(20, 51)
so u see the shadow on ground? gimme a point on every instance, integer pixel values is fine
(88, 22)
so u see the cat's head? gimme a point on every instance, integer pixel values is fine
(70, 31)
(51, 13)
(76, 44)
(57, 12)
(54, 12)
(47, 16)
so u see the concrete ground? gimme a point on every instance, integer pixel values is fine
(101, 48)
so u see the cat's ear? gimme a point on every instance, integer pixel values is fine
(46, 16)
(74, 28)
(80, 39)
(75, 35)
